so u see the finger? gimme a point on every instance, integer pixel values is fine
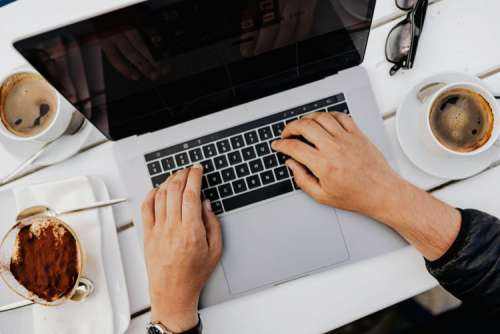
(138, 43)
(288, 28)
(213, 230)
(191, 201)
(175, 190)
(92, 54)
(58, 54)
(266, 39)
(248, 42)
(345, 121)
(148, 211)
(77, 72)
(305, 181)
(306, 19)
(301, 152)
(309, 129)
(130, 53)
(118, 62)
(161, 204)
(328, 122)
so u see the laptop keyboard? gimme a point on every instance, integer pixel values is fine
(240, 168)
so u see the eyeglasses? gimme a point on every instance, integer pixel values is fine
(402, 42)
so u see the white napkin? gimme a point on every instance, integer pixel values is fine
(94, 315)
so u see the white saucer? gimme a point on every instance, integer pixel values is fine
(409, 123)
(66, 147)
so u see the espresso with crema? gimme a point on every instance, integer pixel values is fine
(28, 104)
(461, 120)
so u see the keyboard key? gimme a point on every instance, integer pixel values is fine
(211, 194)
(209, 150)
(237, 142)
(251, 138)
(257, 195)
(204, 182)
(267, 177)
(270, 161)
(262, 149)
(288, 121)
(281, 158)
(253, 182)
(278, 129)
(223, 146)
(168, 164)
(208, 166)
(221, 162)
(265, 133)
(281, 173)
(339, 108)
(158, 180)
(239, 186)
(217, 207)
(196, 155)
(256, 166)
(214, 179)
(182, 159)
(154, 168)
(248, 153)
(228, 174)
(235, 158)
(225, 190)
(242, 170)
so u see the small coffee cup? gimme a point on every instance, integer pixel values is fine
(58, 124)
(10, 246)
(491, 136)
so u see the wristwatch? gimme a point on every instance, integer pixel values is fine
(158, 328)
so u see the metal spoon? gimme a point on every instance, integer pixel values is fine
(83, 291)
(425, 92)
(76, 124)
(46, 211)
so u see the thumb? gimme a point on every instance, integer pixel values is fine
(213, 229)
(305, 180)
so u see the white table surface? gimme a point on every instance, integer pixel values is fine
(460, 35)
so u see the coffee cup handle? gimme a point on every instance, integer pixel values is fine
(84, 290)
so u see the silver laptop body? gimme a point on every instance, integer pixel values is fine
(272, 232)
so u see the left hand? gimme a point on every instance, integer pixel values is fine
(295, 24)
(183, 245)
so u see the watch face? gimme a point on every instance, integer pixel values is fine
(154, 330)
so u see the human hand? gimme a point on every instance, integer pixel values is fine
(341, 167)
(128, 53)
(294, 24)
(183, 244)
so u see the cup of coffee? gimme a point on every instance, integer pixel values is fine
(31, 109)
(461, 119)
(42, 260)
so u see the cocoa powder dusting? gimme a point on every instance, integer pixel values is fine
(47, 260)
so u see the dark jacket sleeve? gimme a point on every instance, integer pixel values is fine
(470, 270)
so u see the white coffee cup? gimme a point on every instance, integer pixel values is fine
(428, 135)
(55, 129)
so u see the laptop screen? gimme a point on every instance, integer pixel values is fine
(163, 62)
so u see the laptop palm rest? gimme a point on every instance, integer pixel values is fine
(278, 241)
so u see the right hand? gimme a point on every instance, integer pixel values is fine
(341, 167)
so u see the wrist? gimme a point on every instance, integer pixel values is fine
(391, 199)
(175, 322)
(177, 313)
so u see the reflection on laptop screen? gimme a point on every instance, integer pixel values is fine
(162, 62)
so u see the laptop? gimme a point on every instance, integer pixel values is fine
(174, 83)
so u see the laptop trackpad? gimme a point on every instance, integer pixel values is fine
(278, 241)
